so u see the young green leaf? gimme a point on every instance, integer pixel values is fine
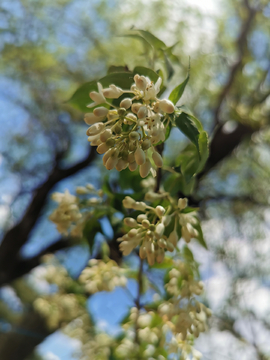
(200, 238)
(177, 92)
(152, 39)
(188, 127)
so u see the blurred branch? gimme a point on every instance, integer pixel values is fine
(241, 45)
(20, 342)
(17, 236)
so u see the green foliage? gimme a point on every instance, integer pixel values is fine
(177, 92)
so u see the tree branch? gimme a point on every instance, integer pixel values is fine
(18, 235)
(241, 44)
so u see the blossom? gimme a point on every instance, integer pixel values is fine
(97, 97)
(147, 123)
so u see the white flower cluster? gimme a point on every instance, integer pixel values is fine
(185, 316)
(148, 229)
(57, 308)
(146, 118)
(102, 276)
(67, 213)
(68, 216)
(150, 336)
(99, 347)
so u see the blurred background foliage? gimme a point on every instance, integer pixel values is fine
(48, 49)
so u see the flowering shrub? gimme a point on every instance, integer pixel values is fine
(129, 124)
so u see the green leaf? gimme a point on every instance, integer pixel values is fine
(188, 210)
(187, 111)
(167, 263)
(81, 98)
(152, 39)
(141, 70)
(118, 69)
(187, 126)
(188, 255)
(200, 238)
(204, 150)
(177, 92)
(139, 37)
(169, 68)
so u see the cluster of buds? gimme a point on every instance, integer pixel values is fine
(101, 276)
(185, 347)
(150, 336)
(148, 230)
(69, 216)
(98, 347)
(57, 308)
(191, 317)
(67, 212)
(127, 134)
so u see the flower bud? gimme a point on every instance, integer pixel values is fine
(140, 82)
(162, 243)
(145, 168)
(185, 234)
(157, 159)
(100, 111)
(132, 233)
(113, 92)
(173, 238)
(139, 156)
(117, 129)
(91, 119)
(131, 117)
(107, 155)
(97, 98)
(160, 211)
(130, 222)
(135, 107)
(93, 139)
(150, 247)
(166, 106)
(96, 128)
(128, 202)
(110, 142)
(159, 230)
(121, 165)
(139, 205)
(81, 190)
(151, 259)
(142, 252)
(134, 136)
(111, 162)
(145, 223)
(141, 217)
(143, 112)
(131, 157)
(126, 103)
(170, 246)
(133, 166)
(160, 255)
(182, 203)
(121, 111)
(102, 148)
(105, 135)
(146, 144)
